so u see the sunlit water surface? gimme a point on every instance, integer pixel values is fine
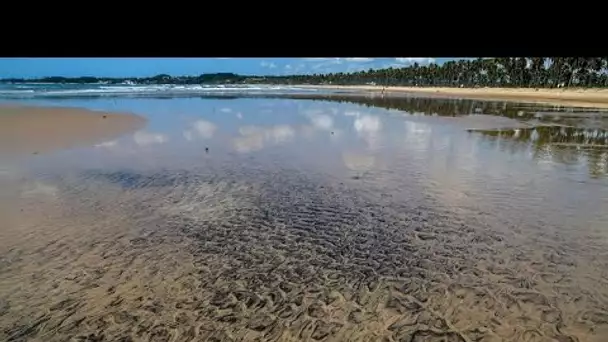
(289, 219)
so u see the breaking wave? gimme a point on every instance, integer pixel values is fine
(39, 90)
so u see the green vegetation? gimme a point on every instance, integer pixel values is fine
(453, 107)
(562, 145)
(535, 72)
(427, 106)
(553, 135)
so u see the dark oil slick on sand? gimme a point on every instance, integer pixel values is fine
(310, 220)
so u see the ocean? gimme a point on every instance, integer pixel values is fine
(53, 90)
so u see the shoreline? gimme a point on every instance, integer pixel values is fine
(569, 97)
(31, 130)
(588, 98)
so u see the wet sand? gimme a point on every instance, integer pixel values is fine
(590, 98)
(265, 244)
(36, 130)
(201, 256)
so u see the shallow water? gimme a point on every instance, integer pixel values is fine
(289, 219)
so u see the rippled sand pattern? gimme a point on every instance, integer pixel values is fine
(233, 254)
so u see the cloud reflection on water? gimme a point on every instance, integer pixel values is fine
(143, 138)
(111, 143)
(368, 127)
(417, 135)
(200, 129)
(254, 138)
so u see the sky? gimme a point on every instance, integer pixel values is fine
(144, 67)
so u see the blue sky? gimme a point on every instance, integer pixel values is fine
(141, 67)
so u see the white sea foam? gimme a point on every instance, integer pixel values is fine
(77, 90)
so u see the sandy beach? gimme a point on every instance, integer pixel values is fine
(589, 98)
(298, 220)
(35, 130)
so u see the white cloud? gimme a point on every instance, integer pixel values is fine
(367, 123)
(200, 128)
(340, 64)
(338, 60)
(249, 143)
(417, 135)
(281, 133)
(254, 138)
(322, 121)
(225, 110)
(412, 60)
(319, 120)
(278, 133)
(368, 128)
(358, 162)
(296, 69)
(205, 129)
(316, 59)
(417, 127)
(143, 138)
(320, 65)
(359, 59)
(239, 115)
(325, 63)
(251, 130)
(111, 143)
(188, 135)
(269, 65)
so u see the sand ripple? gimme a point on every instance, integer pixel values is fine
(228, 254)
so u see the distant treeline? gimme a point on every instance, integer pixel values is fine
(535, 72)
